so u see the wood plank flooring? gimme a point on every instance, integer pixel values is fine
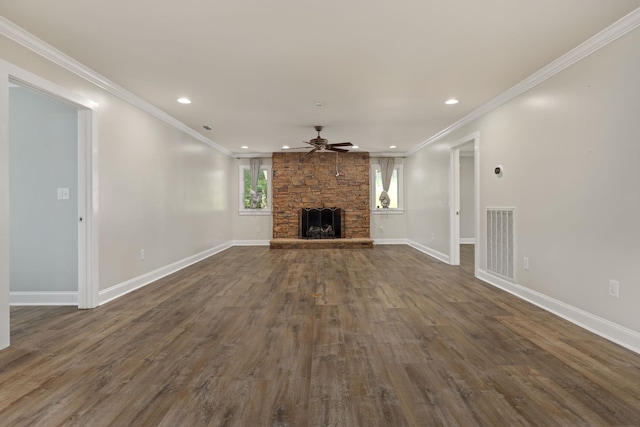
(331, 337)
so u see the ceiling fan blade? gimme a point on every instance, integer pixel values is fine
(339, 150)
(311, 152)
(294, 148)
(342, 144)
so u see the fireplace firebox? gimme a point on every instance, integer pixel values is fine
(321, 223)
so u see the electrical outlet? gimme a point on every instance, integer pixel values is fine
(141, 254)
(614, 288)
(381, 229)
(258, 230)
(525, 263)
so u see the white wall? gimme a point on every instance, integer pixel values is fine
(570, 149)
(388, 227)
(160, 191)
(157, 188)
(427, 201)
(43, 134)
(467, 200)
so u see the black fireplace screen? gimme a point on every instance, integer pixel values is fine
(321, 223)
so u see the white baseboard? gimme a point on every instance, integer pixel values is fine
(116, 291)
(427, 250)
(250, 243)
(467, 241)
(613, 332)
(43, 298)
(390, 241)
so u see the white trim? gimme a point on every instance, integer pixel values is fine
(390, 242)
(88, 277)
(378, 155)
(611, 331)
(23, 78)
(427, 250)
(387, 211)
(5, 321)
(31, 42)
(250, 243)
(131, 285)
(454, 206)
(616, 30)
(255, 212)
(43, 298)
(253, 155)
(467, 240)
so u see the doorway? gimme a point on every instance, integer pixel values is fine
(464, 190)
(84, 208)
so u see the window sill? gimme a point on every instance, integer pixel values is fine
(255, 212)
(387, 212)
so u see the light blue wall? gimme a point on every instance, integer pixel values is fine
(467, 201)
(42, 158)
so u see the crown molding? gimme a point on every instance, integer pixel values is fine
(252, 155)
(616, 30)
(31, 42)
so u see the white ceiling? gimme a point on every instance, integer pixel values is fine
(254, 69)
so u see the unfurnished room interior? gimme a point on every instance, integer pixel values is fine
(319, 213)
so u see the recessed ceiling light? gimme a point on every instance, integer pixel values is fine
(392, 146)
(184, 100)
(244, 147)
(319, 104)
(451, 101)
(356, 146)
(285, 147)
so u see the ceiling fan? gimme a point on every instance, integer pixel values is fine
(322, 144)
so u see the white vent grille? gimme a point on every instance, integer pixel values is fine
(500, 242)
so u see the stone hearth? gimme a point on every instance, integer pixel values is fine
(357, 243)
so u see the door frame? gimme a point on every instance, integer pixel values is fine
(454, 197)
(87, 187)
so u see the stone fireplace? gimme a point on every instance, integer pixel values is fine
(322, 180)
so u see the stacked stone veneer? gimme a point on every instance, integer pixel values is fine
(311, 182)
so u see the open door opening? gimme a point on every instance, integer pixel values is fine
(464, 188)
(72, 196)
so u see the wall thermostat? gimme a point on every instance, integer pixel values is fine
(498, 170)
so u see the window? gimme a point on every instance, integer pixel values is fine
(262, 201)
(395, 190)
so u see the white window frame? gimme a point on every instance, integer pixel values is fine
(399, 168)
(262, 211)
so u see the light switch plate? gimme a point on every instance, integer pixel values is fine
(63, 193)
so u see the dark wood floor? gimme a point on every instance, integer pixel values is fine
(331, 337)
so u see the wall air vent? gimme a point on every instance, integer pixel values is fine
(500, 242)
